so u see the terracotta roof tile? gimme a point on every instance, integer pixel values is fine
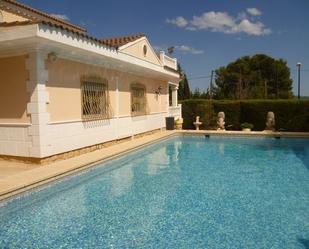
(17, 23)
(7, 5)
(121, 40)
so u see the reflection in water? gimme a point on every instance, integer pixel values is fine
(176, 152)
(158, 160)
(221, 148)
(121, 180)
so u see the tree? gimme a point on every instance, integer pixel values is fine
(183, 89)
(198, 94)
(252, 77)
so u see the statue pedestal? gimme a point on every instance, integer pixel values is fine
(197, 125)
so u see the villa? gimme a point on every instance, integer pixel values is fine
(62, 90)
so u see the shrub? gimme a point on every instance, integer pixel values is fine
(197, 107)
(290, 115)
(247, 125)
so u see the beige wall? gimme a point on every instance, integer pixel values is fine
(155, 103)
(65, 95)
(13, 92)
(9, 17)
(136, 49)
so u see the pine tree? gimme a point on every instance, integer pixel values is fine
(184, 89)
(251, 77)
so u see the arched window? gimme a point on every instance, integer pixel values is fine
(138, 99)
(95, 101)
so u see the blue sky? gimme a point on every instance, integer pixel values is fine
(206, 34)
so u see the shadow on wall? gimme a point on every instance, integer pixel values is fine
(139, 118)
(96, 123)
(13, 91)
(67, 74)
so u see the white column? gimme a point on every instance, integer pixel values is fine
(36, 108)
(167, 98)
(117, 104)
(174, 96)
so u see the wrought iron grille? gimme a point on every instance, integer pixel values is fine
(95, 103)
(138, 99)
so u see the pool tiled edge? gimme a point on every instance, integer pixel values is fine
(22, 182)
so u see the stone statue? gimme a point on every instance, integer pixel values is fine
(197, 123)
(270, 121)
(220, 121)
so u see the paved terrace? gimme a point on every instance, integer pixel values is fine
(18, 177)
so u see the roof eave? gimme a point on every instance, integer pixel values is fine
(46, 34)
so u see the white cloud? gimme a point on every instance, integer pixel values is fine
(191, 28)
(223, 22)
(188, 50)
(216, 21)
(61, 16)
(250, 28)
(184, 49)
(178, 21)
(254, 11)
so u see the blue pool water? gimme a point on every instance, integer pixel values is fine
(184, 192)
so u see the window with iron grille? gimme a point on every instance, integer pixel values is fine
(138, 99)
(95, 103)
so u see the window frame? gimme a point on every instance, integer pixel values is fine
(138, 87)
(95, 98)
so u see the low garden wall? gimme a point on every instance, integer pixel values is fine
(290, 115)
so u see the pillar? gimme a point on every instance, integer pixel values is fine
(175, 96)
(36, 108)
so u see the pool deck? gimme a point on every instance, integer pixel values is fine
(17, 177)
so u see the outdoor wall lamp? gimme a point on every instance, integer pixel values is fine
(158, 91)
(52, 57)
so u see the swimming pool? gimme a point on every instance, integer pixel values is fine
(183, 192)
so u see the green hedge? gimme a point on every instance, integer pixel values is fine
(232, 113)
(196, 107)
(290, 115)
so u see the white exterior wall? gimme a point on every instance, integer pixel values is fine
(36, 108)
(14, 140)
(66, 136)
(74, 135)
(175, 111)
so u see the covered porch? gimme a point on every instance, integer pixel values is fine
(174, 109)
